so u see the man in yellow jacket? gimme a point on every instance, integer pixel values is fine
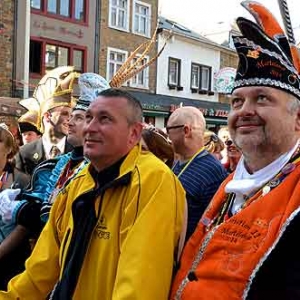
(113, 231)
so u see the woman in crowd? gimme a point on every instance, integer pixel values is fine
(10, 177)
(157, 142)
(233, 156)
(213, 144)
(230, 154)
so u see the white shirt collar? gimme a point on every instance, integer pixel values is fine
(245, 184)
(48, 146)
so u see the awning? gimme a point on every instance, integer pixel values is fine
(11, 107)
(164, 102)
(216, 121)
(153, 113)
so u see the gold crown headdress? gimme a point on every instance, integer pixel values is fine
(49, 83)
(56, 83)
(65, 93)
(31, 119)
(130, 67)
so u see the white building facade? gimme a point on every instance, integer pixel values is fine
(185, 74)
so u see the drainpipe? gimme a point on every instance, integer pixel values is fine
(26, 50)
(97, 37)
(14, 50)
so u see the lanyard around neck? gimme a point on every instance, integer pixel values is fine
(189, 162)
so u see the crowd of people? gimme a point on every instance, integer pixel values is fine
(97, 204)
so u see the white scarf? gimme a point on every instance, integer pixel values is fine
(244, 184)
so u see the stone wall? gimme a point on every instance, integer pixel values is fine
(6, 46)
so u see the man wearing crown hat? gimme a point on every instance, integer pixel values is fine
(54, 112)
(244, 245)
(28, 124)
(31, 209)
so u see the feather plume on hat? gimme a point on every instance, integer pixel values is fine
(131, 67)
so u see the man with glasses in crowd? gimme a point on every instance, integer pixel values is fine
(199, 172)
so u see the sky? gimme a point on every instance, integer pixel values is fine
(205, 16)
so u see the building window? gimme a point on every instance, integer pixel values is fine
(36, 4)
(115, 59)
(79, 12)
(142, 18)
(174, 74)
(205, 78)
(141, 79)
(195, 79)
(78, 60)
(119, 14)
(59, 7)
(35, 58)
(46, 56)
(70, 9)
(200, 78)
(56, 56)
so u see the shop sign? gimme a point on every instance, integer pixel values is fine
(207, 112)
(78, 33)
(154, 107)
(224, 80)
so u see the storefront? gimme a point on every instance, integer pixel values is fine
(157, 109)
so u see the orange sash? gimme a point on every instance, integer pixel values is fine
(217, 262)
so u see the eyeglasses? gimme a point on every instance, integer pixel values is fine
(213, 138)
(173, 127)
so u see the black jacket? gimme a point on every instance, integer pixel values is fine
(279, 275)
(30, 155)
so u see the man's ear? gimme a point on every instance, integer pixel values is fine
(135, 133)
(187, 129)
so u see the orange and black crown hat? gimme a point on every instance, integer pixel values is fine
(265, 56)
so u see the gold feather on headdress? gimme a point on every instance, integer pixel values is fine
(130, 67)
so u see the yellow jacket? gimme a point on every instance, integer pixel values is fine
(131, 250)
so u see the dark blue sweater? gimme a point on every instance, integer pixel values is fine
(200, 179)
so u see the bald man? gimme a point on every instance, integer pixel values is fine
(199, 172)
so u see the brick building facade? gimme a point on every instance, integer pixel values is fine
(118, 38)
(7, 8)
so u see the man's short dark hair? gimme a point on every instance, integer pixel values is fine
(135, 110)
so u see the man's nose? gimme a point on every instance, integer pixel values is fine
(248, 108)
(91, 126)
